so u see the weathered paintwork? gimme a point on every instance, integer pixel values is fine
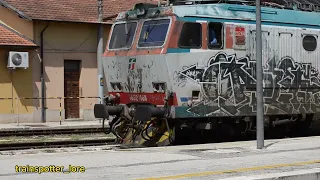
(225, 77)
(279, 17)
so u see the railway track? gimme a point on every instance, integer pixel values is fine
(94, 140)
(55, 144)
(33, 132)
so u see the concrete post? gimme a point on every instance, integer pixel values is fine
(259, 73)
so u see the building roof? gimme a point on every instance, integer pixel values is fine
(71, 10)
(9, 37)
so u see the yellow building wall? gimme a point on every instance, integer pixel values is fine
(17, 83)
(62, 41)
(69, 41)
(10, 19)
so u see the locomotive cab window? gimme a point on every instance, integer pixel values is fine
(122, 35)
(190, 36)
(309, 43)
(215, 35)
(154, 33)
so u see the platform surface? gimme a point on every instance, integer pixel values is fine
(236, 160)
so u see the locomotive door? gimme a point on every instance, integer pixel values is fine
(286, 52)
(268, 50)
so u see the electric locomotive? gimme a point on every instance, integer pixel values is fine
(185, 70)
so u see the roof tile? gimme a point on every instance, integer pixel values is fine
(72, 10)
(9, 37)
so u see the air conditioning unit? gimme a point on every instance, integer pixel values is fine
(18, 60)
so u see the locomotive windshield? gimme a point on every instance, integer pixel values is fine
(154, 33)
(122, 35)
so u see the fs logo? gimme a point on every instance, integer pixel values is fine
(132, 62)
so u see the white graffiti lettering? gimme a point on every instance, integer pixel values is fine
(289, 87)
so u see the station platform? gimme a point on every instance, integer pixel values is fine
(75, 124)
(285, 159)
(294, 159)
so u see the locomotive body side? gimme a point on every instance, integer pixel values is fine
(225, 79)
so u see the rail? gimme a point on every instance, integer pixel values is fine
(60, 101)
(55, 144)
(49, 131)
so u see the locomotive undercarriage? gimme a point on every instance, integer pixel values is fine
(147, 125)
(204, 130)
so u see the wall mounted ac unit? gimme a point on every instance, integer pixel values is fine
(18, 60)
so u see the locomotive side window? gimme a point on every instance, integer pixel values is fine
(154, 33)
(190, 36)
(122, 35)
(309, 43)
(215, 35)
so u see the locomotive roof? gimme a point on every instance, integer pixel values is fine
(304, 5)
(299, 12)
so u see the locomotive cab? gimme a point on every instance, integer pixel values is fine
(137, 41)
(136, 74)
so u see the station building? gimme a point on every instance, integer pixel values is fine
(55, 40)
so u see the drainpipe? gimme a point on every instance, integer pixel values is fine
(100, 52)
(42, 77)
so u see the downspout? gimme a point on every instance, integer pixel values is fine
(42, 77)
(100, 52)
